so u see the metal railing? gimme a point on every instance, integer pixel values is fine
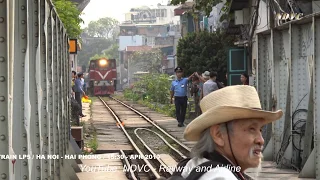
(34, 88)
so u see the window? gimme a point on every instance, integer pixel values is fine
(92, 65)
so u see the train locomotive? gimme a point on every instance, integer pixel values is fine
(102, 77)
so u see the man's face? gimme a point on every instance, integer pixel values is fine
(246, 142)
(179, 74)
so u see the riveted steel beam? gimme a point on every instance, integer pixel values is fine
(317, 98)
(31, 99)
(42, 90)
(19, 123)
(281, 77)
(56, 167)
(310, 117)
(50, 87)
(4, 90)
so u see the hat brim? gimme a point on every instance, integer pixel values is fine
(224, 114)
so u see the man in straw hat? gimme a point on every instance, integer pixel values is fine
(228, 134)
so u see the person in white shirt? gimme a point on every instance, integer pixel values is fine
(228, 135)
(210, 85)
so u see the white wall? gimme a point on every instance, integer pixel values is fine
(125, 41)
(263, 19)
(170, 15)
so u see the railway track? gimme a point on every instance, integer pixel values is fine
(134, 124)
(112, 139)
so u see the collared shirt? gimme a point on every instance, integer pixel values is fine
(225, 171)
(179, 87)
(209, 86)
(78, 85)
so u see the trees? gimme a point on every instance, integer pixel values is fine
(70, 17)
(198, 52)
(100, 40)
(148, 60)
(112, 51)
(91, 47)
(207, 5)
(152, 90)
(104, 27)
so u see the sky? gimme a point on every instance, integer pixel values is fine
(116, 9)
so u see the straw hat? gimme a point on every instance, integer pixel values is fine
(227, 104)
(206, 75)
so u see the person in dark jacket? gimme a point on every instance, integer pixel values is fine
(79, 92)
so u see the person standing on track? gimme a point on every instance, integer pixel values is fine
(210, 85)
(78, 89)
(178, 90)
(196, 92)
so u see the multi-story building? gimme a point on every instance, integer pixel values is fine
(149, 27)
(162, 14)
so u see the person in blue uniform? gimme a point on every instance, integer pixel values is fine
(178, 90)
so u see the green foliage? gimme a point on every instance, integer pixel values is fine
(98, 56)
(92, 143)
(100, 40)
(206, 6)
(104, 27)
(92, 47)
(70, 17)
(153, 91)
(152, 87)
(198, 52)
(112, 52)
(150, 60)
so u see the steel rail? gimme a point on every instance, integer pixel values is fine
(165, 141)
(133, 176)
(154, 124)
(156, 174)
(153, 153)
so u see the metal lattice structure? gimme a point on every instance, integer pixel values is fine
(288, 62)
(34, 89)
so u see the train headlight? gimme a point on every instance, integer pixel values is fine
(103, 62)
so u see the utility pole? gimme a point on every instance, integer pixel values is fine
(128, 72)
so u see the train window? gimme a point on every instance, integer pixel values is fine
(92, 65)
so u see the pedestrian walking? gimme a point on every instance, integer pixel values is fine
(178, 90)
(228, 135)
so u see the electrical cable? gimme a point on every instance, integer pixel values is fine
(294, 130)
